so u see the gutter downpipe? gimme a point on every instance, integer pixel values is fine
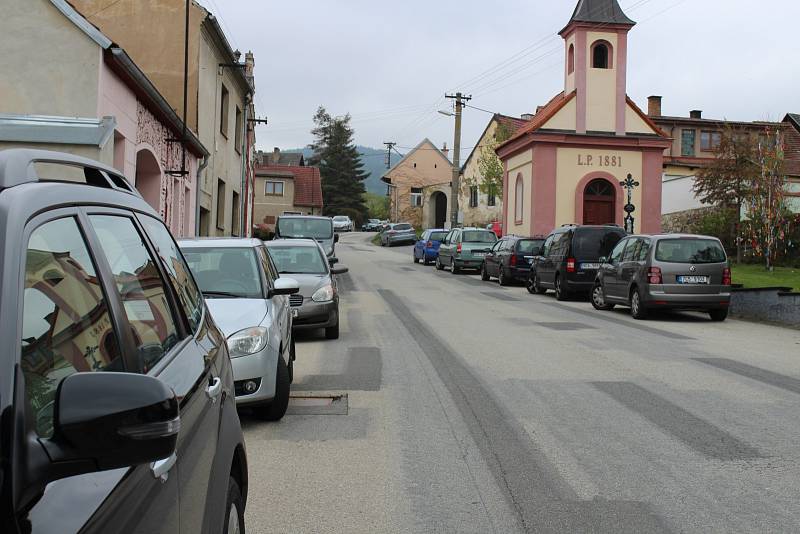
(245, 158)
(197, 194)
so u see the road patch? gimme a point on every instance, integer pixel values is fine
(363, 372)
(756, 373)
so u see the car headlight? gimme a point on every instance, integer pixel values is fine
(247, 341)
(323, 294)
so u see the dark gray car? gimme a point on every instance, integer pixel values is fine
(308, 226)
(317, 303)
(671, 271)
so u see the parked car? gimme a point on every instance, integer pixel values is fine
(510, 259)
(398, 234)
(342, 223)
(250, 303)
(570, 259)
(673, 271)
(426, 249)
(305, 226)
(317, 303)
(372, 225)
(117, 390)
(465, 248)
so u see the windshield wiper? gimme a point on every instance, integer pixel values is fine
(221, 294)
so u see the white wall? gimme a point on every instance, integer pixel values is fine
(677, 194)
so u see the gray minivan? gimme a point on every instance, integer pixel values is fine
(305, 226)
(669, 271)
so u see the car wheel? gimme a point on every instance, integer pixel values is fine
(599, 299)
(718, 315)
(502, 279)
(275, 410)
(537, 286)
(529, 284)
(561, 293)
(484, 275)
(453, 267)
(332, 332)
(638, 311)
(439, 266)
(425, 260)
(234, 510)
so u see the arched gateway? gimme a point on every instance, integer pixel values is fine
(599, 202)
(438, 210)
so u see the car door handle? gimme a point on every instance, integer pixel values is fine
(214, 389)
(161, 468)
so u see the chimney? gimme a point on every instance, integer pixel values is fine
(526, 116)
(446, 150)
(276, 155)
(654, 106)
(695, 114)
(539, 108)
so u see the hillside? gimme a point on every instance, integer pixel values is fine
(374, 164)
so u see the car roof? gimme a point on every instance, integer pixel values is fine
(220, 242)
(320, 217)
(294, 242)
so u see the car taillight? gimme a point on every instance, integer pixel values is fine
(654, 275)
(458, 248)
(570, 265)
(513, 259)
(726, 276)
(429, 244)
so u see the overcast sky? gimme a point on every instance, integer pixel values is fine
(389, 64)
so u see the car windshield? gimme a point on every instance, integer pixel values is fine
(437, 236)
(690, 251)
(402, 226)
(300, 227)
(341, 218)
(225, 272)
(297, 260)
(594, 243)
(479, 236)
(526, 246)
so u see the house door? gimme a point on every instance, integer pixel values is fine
(599, 202)
(438, 207)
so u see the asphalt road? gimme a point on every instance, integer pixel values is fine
(455, 405)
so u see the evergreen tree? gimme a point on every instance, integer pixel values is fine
(340, 166)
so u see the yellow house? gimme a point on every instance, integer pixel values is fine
(565, 166)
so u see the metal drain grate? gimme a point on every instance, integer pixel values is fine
(317, 404)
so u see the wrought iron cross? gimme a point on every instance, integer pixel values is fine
(629, 208)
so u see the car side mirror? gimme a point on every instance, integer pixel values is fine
(335, 238)
(339, 269)
(332, 261)
(284, 286)
(603, 259)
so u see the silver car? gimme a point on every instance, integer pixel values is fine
(398, 233)
(670, 271)
(342, 223)
(317, 303)
(250, 304)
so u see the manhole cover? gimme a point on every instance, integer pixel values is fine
(566, 326)
(317, 404)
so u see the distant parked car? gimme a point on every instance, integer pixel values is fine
(570, 259)
(398, 234)
(465, 248)
(250, 304)
(342, 223)
(305, 226)
(510, 259)
(426, 249)
(674, 271)
(317, 303)
(371, 225)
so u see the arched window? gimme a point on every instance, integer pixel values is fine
(519, 192)
(571, 59)
(601, 55)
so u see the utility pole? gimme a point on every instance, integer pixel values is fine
(389, 146)
(454, 184)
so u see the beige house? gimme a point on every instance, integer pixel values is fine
(419, 187)
(219, 93)
(284, 186)
(479, 203)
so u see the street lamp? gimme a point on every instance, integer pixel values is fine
(446, 113)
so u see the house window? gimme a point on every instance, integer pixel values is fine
(223, 112)
(518, 199)
(237, 135)
(687, 142)
(571, 59)
(220, 204)
(601, 55)
(235, 214)
(274, 189)
(416, 197)
(490, 198)
(473, 196)
(709, 141)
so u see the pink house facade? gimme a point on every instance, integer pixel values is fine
(565, 166)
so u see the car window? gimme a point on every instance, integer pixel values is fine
(226, 272)
(616, 254)
(478, 236)
(644, 250)
(298, 260)
(189, 295)
(266, 265)
(632, 250)
(527, 246)
(66, 325)
(302, 227)
(437, 236)
(691, 250)
(561, 244)
(424, 236)
(140, 287)
(402, 226)
(548, 245)
(594, 243)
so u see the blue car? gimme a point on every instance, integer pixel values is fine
(427, 248)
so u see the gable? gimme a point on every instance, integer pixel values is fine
(637, 123)
(424, 164)
(564, 119)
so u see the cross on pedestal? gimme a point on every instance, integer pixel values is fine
(629, 183)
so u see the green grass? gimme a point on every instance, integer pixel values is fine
(376, 239)
(753, 276)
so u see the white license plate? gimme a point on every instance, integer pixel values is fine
(692, 279)
(590, 265)
(479, 254)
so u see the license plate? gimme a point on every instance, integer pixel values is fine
(692, 279)
(590, 265)
(479, 254)
(295, 312)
